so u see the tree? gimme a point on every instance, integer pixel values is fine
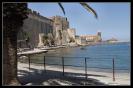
(71, 39)
(84, 5)
(13, 16)
(45, 40)
(51, 39)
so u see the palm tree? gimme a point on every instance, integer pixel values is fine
(13, 16)
(84, 5)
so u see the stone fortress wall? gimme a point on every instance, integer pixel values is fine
(33, 25)
(37, 26)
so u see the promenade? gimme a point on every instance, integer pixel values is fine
(53, 76)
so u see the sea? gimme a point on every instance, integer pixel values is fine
(99, 57)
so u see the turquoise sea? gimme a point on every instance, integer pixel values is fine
(98, 56)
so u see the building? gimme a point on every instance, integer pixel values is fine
(92, 38)
(60, 29)
(34, 25)
(80, 40)
(83, 41)
(71, 34)
(37, 27)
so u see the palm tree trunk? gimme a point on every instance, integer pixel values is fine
(10, 58)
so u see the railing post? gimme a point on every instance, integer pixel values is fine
(29, 61)
(85, 69)
(113, 69)
(63, 64)
(44, 64)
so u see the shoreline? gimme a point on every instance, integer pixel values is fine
(83, 45)
(82, 68)
(71, 46)
(104, 77)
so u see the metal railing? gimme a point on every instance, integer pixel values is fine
(85, 65)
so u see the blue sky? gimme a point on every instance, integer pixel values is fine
(113, 18)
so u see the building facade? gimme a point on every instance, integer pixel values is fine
(71, 34)
(60, 25)
(34, 25)
(93, 38)
(80, 40)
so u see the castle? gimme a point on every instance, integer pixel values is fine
(37, 27)
(39, 31)
(34, 25)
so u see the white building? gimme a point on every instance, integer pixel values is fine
(93, 38)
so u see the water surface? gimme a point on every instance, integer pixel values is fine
(98, 56)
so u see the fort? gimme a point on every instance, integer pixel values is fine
(39, 31)
(33, 25)
(37, 26)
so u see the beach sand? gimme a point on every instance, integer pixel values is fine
(53, 76)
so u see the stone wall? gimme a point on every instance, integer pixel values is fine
(71, 33)
(55, 27)
(78, 40)
(34, 25)
(60, 29)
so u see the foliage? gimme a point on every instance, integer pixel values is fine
(13, 16)
(45, 40)
(45, 37)
(85, 5)
(51, 39)
(88, 8)
(71, 40)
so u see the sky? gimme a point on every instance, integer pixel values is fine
(113, 18)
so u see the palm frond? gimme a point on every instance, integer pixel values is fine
(88, 8)
(62, 8)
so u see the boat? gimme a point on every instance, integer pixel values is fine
(83, 48)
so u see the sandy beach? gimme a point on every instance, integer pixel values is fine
(53, 76)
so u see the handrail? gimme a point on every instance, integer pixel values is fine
(85, 64)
